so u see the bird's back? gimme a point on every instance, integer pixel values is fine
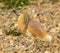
(36, 29)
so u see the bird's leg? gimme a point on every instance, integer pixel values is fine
(29, 46)
(24, 33)
(25, 30)
(32, 39)
(35, 42)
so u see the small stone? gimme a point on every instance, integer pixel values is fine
(47, 52)
(33, 11)
(14, 18)
(1, 33)
(10, 51)
(22, 46)
(59, 24)
(58, 34)
(1, 52)
(53, 30)
(15, 25)
(15, 52)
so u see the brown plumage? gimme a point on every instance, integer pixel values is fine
(33, 27)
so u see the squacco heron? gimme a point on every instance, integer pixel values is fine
(33, 27)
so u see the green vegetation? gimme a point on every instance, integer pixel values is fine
(48, 1)
(13, 32)
(15, 3)
(53, 1)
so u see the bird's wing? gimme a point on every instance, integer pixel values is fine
(36, 29)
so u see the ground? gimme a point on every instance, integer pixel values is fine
(47, 14)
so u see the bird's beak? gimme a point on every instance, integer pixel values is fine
(17, 12)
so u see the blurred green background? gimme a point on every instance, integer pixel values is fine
(15, 3)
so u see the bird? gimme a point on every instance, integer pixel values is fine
(25, 23)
